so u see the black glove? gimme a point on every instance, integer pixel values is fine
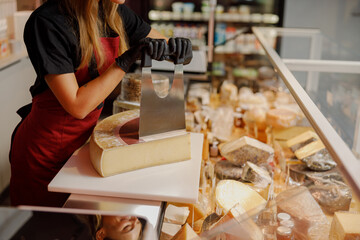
(154, 47)
(180, 50)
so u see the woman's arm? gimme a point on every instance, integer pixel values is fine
(80, 101)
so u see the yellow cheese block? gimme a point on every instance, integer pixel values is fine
(303, 137)
(345, 226)
(169, 230)
(186, 233)
(285, 134)
(116, 148)
(228, 193)
(177, 215)
(309, 149)
(197, 211)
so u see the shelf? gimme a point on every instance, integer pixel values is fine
(11, 59)
(255, 18)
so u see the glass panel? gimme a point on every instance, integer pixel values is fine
(337, 95)
(311, 44)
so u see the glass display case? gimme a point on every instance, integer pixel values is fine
(324, 80)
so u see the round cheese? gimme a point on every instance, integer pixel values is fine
(281, 118)
(115, 146)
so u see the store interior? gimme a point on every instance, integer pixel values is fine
(272, 108)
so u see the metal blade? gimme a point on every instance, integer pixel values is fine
(161, 114)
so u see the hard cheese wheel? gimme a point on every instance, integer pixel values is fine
(115, 146)
(228, 193)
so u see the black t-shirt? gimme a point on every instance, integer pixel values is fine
(52, 41)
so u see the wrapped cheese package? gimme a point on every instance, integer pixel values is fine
(246, 149)
(226, 170)
(310, 221)
(228, 193)
(330, 191)
(236, 224)
(260, 177)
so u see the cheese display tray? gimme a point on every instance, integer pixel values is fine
(175, 182)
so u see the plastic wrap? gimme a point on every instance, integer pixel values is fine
(236, 224)
(330, 192)
(226, 170)
(258, 176)
(222, 123)
(320, 161)
(131, 86)
(246, 149)
(310, 221)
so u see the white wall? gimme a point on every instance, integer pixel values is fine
(338, 20)
(15, 82)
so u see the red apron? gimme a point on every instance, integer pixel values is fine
(47, 138)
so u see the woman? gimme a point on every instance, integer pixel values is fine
(79, 50)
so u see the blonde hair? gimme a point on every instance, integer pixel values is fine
(91, 27)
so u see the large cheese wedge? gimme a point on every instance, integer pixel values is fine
(228, 193)
(345, 225)
(115, 146)
(186, 233)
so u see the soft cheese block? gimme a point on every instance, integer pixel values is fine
(345, 226)
(169, 230)
(177, 215)
(115, 146)
(228, 193)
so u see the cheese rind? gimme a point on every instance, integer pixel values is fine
(110, 154)
(246, 149)
(345, 226)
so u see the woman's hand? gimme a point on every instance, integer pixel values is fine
(154, 47)
(180, 50)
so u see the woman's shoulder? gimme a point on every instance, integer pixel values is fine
(50, 14)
